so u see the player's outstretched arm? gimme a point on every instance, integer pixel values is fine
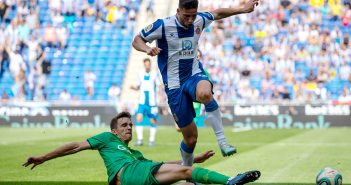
(222, 13)
(197, 159)
(66, 149)
(140, 45)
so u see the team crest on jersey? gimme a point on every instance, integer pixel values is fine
(198, 29)
(148, 28)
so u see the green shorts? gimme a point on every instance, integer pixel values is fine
(140, 172)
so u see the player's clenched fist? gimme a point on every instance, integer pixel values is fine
(153, 51)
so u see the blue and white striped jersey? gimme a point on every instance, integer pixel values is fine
(178, 59)
(148, 83)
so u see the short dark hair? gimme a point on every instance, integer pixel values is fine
(188, 4)
(147, 60)
(114, 121)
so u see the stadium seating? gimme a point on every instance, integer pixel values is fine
(101, 47)
(104, 49)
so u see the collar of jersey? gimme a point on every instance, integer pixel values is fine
(119, 139)
(179, 23)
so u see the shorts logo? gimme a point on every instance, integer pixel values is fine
(148, 28)
(187, 45)
(198, 30)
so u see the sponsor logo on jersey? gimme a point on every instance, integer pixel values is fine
(120, 147)
(187, 45)
(186, 53)
(187, 48)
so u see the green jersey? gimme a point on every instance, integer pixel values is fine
(114, 152)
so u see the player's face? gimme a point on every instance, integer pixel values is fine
(187, 16)
(147, 66)
(124, 129)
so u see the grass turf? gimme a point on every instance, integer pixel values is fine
(287, 157)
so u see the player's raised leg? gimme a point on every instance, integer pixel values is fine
(213, 115)
(170, 173)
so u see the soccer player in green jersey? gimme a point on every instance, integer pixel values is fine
(126, 166)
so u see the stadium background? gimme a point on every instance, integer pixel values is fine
(287, 65)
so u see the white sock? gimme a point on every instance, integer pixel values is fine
(187, 158)
(139, 131)
(152, 134)
(215, 119)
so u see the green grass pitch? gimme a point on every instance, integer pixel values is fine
(287, 157)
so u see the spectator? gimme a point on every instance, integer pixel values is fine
(311, 77)
(17, 65)
(50, 36)
(114, 92)
(150, 9)
(11, 34)
(55, 5)
(33, 18)
(62, 35)
(23, 31)
(33, 45)
(4, 8)
(281, 35)
(65, 95)
(4, 97)
(57, 18)
(345, 97)
(89, 80)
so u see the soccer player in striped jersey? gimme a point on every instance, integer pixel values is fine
(182, 73)
(148, 82)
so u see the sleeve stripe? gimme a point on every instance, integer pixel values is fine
(207, 15)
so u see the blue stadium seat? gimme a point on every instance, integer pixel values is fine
(102, 47)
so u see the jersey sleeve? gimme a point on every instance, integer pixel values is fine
(207, 19)
(97, 142)
(153, 31)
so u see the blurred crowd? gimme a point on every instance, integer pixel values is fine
(31, 28)
(293, 50)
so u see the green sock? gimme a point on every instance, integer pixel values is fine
(203, 175)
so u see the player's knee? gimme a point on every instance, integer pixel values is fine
(204, 97)
(188, 173)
